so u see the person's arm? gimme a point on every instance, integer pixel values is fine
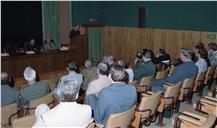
(91, 89)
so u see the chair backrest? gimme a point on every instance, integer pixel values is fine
(42, 100)
(6, 112)
(172, 69)
(146, 81)
(209, 122)
(24, 122)
(201, 76)
(134, 83)
(161, 75)
(171, 91)
(210, 70)
(150, 103)
(188, 82)
(52, 82)
(122, 119)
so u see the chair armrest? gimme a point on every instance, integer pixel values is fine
(190, 119)
(149, 92)
(210, 98)
(195, 115)
(169, 84)
(100, 126)
(10, 117)
(208, 101)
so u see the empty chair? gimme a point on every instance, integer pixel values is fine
(199, 83)
(148, 108)
(48, 99)
(161, 75)
(145, 83)
(6, 112)
(24, 122)
(194, 120)
(120, 120)
(207, 104)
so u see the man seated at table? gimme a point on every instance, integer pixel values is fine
(67, 113)
(9, 94)
(118, 97)
(186, 70)
(34, 89)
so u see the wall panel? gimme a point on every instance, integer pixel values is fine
(124, 42)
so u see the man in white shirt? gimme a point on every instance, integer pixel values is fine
(67, 113)
(101, 82)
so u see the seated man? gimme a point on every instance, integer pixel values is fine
(34, 89)
(116, 98)
(67, 113)
(164, 58)
(147, 68)
(101, 82)
(72, 68)
(186, 70)
(88, 73)
(9, 94)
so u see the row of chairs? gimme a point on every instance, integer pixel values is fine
(204, 115)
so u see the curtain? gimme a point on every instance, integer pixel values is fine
(51, 21)
(94, 43)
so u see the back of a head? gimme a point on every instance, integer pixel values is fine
(147, 54)
(187, 53)
(5, 78)
(94, 62)
(212, 46)
(118, 73)
(67, 89)
(162, 51)
(120, 62)
(200, 45)
(103, 68)
(71, 65)
(203, 53)
(88, 64)
(29, 74)
(109, 60)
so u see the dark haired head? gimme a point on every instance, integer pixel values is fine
(95, 62)
(126, 66)
(212, 46)
(200, 45)
(203, 53)
(139, 55)
(162, 51)
(71, 65)
(6, 79)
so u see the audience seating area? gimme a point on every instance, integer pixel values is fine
(150, 106)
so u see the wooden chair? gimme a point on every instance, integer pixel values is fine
(7, 112)
(199, 83)
(91, 125)
(120, 120)
(161, 75)
(172, 70)
(145, 84)
(52, 82)
(148, 107)
(24, 122)
(193, 119)
(209, 78)
(169, 100)
(207, 104)
(48, 99)
(185, 91)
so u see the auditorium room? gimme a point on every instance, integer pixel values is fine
(109, 64)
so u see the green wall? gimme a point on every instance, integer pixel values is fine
(182, 15)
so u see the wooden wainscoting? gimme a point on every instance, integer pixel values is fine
(123, 42)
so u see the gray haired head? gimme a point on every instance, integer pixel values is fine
(102, 68)
(67, 89)
(109, 60)
(88, 64)
(120, 62)
(29, 74)
(117, 73)
(186, 52)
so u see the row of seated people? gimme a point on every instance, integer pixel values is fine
(121, 75)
